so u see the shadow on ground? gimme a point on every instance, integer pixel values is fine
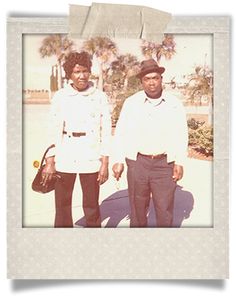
(116, 208)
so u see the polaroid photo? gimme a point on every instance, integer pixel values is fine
(195, 54)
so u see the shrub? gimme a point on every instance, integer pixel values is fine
(201, 139)
(194, 124)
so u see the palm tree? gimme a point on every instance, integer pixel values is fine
(127, 65)
(156, 51)
(121, 82)
(105, 50)
(116, 77)
(58, 45)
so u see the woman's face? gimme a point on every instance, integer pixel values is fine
(80, 77)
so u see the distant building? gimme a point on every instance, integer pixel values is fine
(35, 97)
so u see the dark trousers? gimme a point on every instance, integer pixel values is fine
(153, 178)
(130, 179)
(63, 199)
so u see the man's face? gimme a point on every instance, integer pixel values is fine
(80, 77)
(152, 84)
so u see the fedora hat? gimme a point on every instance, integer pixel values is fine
(149, 66)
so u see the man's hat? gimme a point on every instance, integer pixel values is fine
(149, 66)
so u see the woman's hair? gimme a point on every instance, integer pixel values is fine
(82, 58)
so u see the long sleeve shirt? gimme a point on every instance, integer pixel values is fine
(81, 112)
(151, 127)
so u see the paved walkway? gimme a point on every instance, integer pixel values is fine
(193, 201)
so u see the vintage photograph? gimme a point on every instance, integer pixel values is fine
(128, 124)
(120, 152)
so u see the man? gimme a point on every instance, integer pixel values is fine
(81, 132)
(152, 134)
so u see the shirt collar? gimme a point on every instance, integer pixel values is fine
(89, 91)
(159, 100)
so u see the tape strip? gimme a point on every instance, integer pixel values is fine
(117, 21)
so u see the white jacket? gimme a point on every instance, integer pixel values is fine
(87, 112)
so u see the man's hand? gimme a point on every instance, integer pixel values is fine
(118, 169)
(178, 172)
(49, 170)
(103, 173)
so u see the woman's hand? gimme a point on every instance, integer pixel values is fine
(103, 173)
(49, 170)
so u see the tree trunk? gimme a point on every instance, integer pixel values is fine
(126, 83)
(59, 75)
(100, 78)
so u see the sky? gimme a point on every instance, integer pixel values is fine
(191, 50)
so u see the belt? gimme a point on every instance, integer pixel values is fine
(75, 134)
(156, 157)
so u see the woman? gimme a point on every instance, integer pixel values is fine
(81, 130)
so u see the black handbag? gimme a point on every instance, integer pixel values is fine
(37, 184)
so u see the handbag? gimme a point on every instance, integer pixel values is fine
(37, 184)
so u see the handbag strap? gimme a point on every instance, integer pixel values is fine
(44, 155)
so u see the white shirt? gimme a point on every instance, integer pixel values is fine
(151, 127)
(87, 112)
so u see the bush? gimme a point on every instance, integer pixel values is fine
(201, 139)
(133, 87)
(194, 124)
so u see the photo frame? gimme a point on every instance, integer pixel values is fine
(121, 253)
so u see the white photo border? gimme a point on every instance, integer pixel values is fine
(118, 253)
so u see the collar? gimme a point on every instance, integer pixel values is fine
(158, 100)
(89, 91)
(154, 102)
